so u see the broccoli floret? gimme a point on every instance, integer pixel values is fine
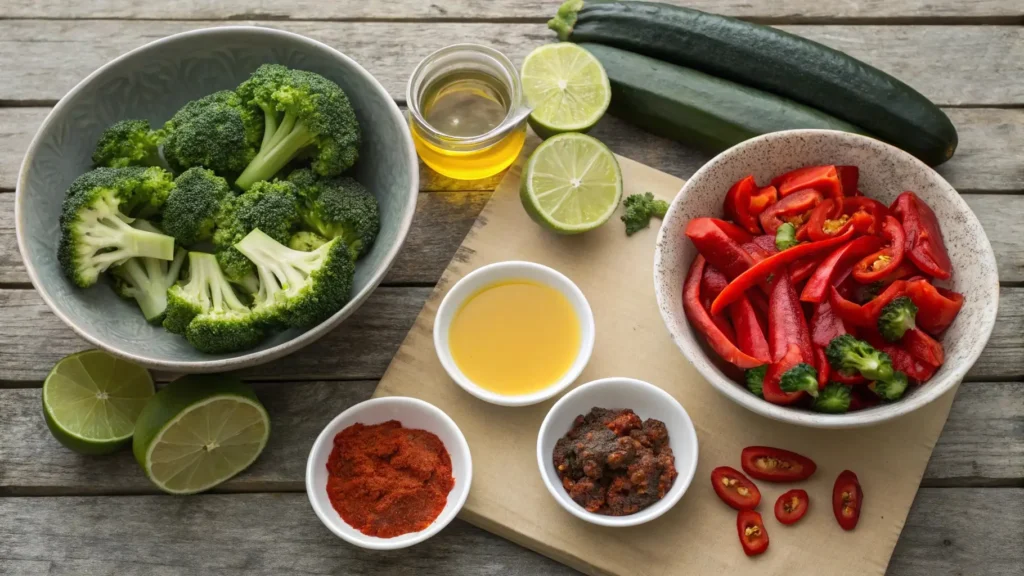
(207, 311)
(897, 317)
(218, 132)
(785, 237)
(891, 389)
(833, 399)
(849, 355)
(147, 279)
(306, 241)
(754, 378)
(639, 210)
(270, 206)
(338, 206)
(95, 222)
(800, 378)
(306, 115)
(191, 209)
(128, 143)
(298, 288)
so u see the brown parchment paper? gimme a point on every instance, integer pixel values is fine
(698, 536)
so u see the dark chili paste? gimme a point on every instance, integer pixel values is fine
(613, 463)
(385, 480)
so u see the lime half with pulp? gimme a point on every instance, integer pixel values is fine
(92, 399)
(571, 184)
(198, 432)
(567, 88)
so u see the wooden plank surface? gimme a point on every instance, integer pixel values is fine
(761, 10)
(949, 531)
(953, 65)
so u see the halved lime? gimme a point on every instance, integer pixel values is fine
(92, 399)
(567, 88)
(199, 431)
(571, 184)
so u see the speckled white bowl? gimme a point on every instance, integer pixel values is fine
(885, 172)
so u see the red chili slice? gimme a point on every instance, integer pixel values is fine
(791, 506)
(776, 464)
(847, 500)
(753, 536)
(794, 209)
(923, 347)
(886, 261)
(703, 323)
(735, 489)
(925, 246)
(825, 275)
(762, 199)
(737, 204)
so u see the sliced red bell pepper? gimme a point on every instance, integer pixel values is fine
(825, 275)
(720, 242)
(749, 336)
(766, 242)
(802, 269)
(865, 316)
(824, 179)
(762, 199)
(902, 360)
(703, 323)
(936, 307)
(773, 376)
(794, 209)
(786, 322)
(737, 204)
(871, 211)
(825, 325)
(757, 252)
(825, 222)
(905, 270)
(712, 282)
(823, 367)
(851, 380)
(881, 264)
(849, 177)
(922, 346)
(775, 263)
(925, 247)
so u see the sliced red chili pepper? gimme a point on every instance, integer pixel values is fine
(712, 282)
(737, 204)
(864, 316)
(847, 500)
(923, 347)
(771, 385)
(849, 176)
(749, 336)
(735, 489)
(753, 536)
(905, 270)
(872, 213)
(826, 222)
(881, 264)
(825, 325)
(771, 265)
(762, 199)
(716, 240)
(705, 325)
(802, 270)
(936, 307)
(925, 247)
(824, 276)
(823, 367)
(902, 360)
(824, 179)
(794, 209)
(775, 464)
(786, 322)
(791, 506)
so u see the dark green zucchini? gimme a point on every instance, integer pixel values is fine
(696, 108)
(770, 60)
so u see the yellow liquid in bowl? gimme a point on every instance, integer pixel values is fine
(515, 337)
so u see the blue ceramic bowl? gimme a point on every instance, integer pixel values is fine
(153, 82)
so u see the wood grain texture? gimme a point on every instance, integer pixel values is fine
(953, 65)
(949, 531)
(772, 10)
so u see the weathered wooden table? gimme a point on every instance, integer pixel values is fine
(65, 514)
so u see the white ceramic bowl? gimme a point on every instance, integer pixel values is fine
(885, 172)
(412, 413)
(513, 270)
(648, 401)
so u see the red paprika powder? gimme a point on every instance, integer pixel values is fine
(385, 480)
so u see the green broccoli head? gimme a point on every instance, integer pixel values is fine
(849, 355)
(338, 207)
(892, 388)
(146, 280)
(190, 213)
(754, 378)
(897, 317)
(305, 115)
(800, 378)
(306, 241)
(298, 289)
(143, 191)
(270, 206)
(128, 143)
(833, 399)
(218, 132)
(95, 226)
(639, 210)
(785, 237)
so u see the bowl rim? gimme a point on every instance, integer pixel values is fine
(733, 390)
(679, 487)
(509, 269)
(241, 360)
(324, 442)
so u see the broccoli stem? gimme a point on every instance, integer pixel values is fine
(269, 127)
(280, 269)
(285, 145)
(150, 294)
(129, 242)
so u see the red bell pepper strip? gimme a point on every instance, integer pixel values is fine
(849, 177)
(871, 211)
(881, 264)
(902, 360)
(824, 179)
(756, 251)
(905, 270)
(851, 380)
(922, 346)
(762, 199)
(705, 326)
(737, 204)
(825, 275)
(825, 325)
(925, 247)
(825, 222)
(865, 316)
(824, 368)
(766, 242)
(716, 240)
(786, 322)
(749, 336)
(802, 270)
(773, 377)
(793, 209)
(936, 307)
(712, 282)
